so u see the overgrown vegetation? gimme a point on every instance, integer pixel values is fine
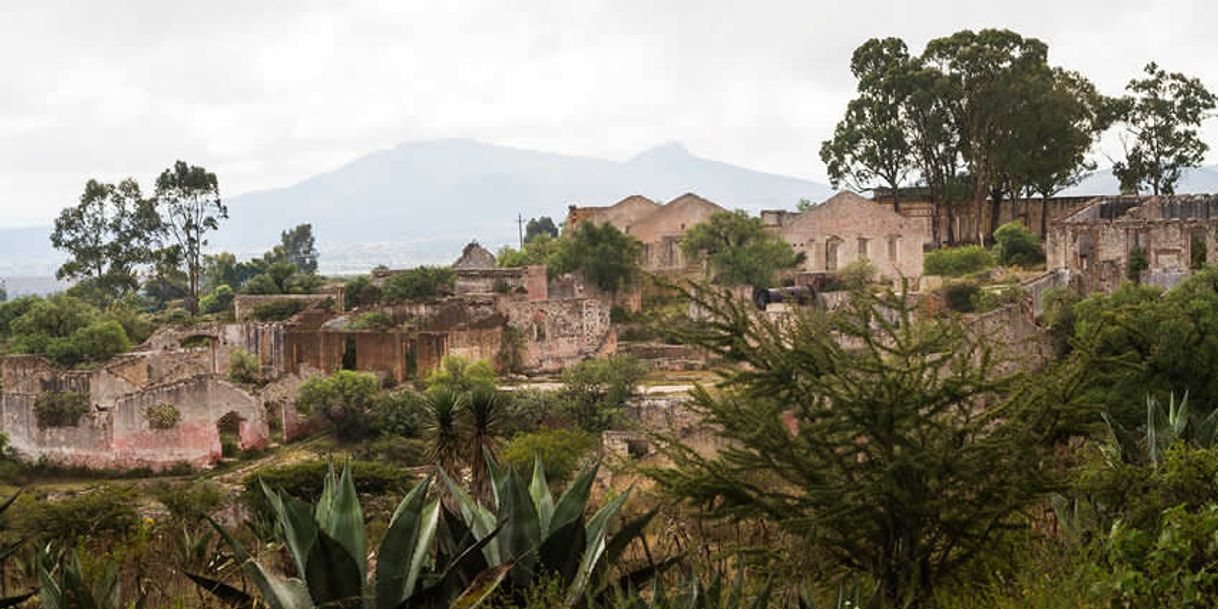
(957, 261)
(422, 283)
(60, 408)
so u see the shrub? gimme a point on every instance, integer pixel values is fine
(510, 357)
(560, 450)
(422, 283)
(95, 342)
(400, 413)
(533, 409)
(962, 296)
(190, 503)
(304, 480)
(957, 261)
(596, 390)
(856, 275)
(163, 416)
(1018, 246)
(243, 367)
(218, 301)
(343, 399)
(1138, 263)
(397, 450)
(996, 298)
(277, 310)
(460, 375)
(60, 408)
(359, 292)
(375, 320)
(96, 512)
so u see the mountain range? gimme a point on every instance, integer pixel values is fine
(420, 202)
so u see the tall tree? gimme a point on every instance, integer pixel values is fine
(189, 198)
(300, 249)
(988, 71)
(738, 249)
(871, 144)
(1162, 116)
(903, 457)
(108, 235)
(605, 255)
(540, 226)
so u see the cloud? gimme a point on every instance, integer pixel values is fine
(267, 93)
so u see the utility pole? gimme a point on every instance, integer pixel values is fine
(520, 229)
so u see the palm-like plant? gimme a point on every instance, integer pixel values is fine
(442, 430)
(548, 538)
(328, 547)
(482, 423)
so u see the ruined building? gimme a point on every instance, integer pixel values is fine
(1159, 240)
(170, 401)
(848, 228)
(659, 227)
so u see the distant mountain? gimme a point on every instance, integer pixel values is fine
(422, 201)
(1203, 180)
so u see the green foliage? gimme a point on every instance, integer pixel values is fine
(359, 292)
(190, 503)
(1174, 568)
(74, 587)
(422, 283)
(244, 367)
(373, 320)
(188, 197)
(162, 416)
(537, 250)
(562, 450)
(60, 408)
(278, 310)
(1161, 116)
(857, 275)
(1138, 263)
(957, 261)
(1018, 246)
(99, 512)
(400, 413)
(908, 467)
(606, 256)
(595, 391)
(461, 376)
(510, 357)
(540, 227)
(218, 301)
(344, 399)
(961, 296)
(739, 249)
(305, 480)
(46, 319)
(97, 341)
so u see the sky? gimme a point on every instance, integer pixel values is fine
(266, 93)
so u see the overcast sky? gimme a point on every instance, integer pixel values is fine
(268, 92)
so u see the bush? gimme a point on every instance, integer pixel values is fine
(359, 292)
(344, 399)
(243, 367)
(1138, 263)
(856, 275)
(163, 416)
(218, 301)
(375, 320)
(278, 310)
(510, 358)
(95, 342)
(962, 296)
(60, 408)
(461, 375)
(396, 450)
(104, 510)
(400, 413)
(422, 283)
(561, 451)
(190, 503)
(533, 409)
(304, 480)
(957, 261)
(596, 390)
(1018, 246)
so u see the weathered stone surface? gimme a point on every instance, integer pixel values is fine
(848, 228)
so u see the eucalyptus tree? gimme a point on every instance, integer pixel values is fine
(189, 200)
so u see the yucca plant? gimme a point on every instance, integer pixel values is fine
(442, 429)
(328, 547)
(547, 538)
(482, 422)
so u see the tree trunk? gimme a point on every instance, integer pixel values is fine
(1044, 218)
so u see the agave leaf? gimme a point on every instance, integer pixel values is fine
(455, 574)
(562, 551)
(1204, 437)
(427, 531)
(230, 595)
(333, 575)
(1178, 416)
(50, 592)
(13, 601)
(479, 519)
(574, 500)
(596, 546)
(521, 534)
(483, 586)
(628, 533)
(277, 592)
(295, 522)
(762, 600)
(326, 501)
(345, 520)
(543, 502)
(498, 475)
(397, 549)
(636, 578)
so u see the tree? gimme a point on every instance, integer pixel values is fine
(595, 391)
(343, 398)
(189, 199)
(538, 227)
(107, 236)
(739, 249)
(871, 144)
(1162, 117)
(299, 248)
(537, 250)
(605, 255)
(902, 457)
(988, 73)
(422, 283)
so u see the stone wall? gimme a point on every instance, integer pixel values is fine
(560, 332)
(848, 228)
(244, 304)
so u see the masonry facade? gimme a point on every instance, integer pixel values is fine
(1160, 240)
(659, 227)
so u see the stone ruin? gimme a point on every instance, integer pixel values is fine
(545, 325)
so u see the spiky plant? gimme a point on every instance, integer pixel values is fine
(547, 538)
(328, 547)
(482, 425)
(1164, 427)
(442, 429)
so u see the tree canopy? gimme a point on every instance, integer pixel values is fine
(738, 249)
(605, 255)
(189, 199)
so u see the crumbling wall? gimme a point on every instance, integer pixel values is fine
(848, 228)
(560, 332)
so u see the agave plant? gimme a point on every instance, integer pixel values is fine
(694, 593)
(1163, 428)
(328, 547)
(548, 538)
(63, 585)
(7, 552)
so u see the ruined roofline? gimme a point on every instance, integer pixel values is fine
(1147, 208)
